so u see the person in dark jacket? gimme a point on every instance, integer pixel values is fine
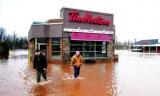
(40, 65)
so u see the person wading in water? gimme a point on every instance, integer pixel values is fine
(77, 60)
(40, 65)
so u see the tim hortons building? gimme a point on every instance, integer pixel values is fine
(92, 33)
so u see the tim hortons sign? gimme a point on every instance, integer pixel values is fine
(88, 19)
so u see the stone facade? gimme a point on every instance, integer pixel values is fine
(110, 50)
(66, 50)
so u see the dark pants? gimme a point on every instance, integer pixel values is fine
(39, 75)
(76, 71)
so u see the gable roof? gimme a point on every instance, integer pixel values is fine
(146, 42)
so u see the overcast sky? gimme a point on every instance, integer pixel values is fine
(133, 18)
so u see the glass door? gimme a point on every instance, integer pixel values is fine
(43, 49)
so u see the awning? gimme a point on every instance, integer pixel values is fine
(89, 36)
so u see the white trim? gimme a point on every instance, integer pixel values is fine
(87, 31)
(136, 45)
(157, 44)
(146, 45)
(149, 45)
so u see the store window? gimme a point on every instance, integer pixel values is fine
(56, 50)
(88, 48)
(41, 40)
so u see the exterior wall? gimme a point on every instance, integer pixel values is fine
(31, 47)
(110, 50)
(55, 30)
(49, 48)
(40, 31)
(87, 26)
(29, 44)
(66, 50)
(30, 33)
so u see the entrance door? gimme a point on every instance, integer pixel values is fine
(43, 49)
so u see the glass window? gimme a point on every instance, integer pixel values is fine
(41, 40)
(56, 55)
(56, 41)
(73, 53)
(100, 54)
(99, 48)
(88, 54)
(89, 48)
(104, 47)
(99, 43)
(89, 43)
(76, 42)
(56, 48)
(76, 48)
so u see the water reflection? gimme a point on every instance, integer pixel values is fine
(111, 75)
(39, 90)
(76, 89)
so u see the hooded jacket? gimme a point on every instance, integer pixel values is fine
(76, 60)
(39, 62)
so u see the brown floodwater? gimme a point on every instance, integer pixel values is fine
(134, 74)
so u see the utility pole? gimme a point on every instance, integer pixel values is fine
(135, 40)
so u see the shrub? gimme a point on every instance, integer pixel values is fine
(4, 48)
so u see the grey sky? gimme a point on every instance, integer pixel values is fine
(133, 18)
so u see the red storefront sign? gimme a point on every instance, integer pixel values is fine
(145, 42)
(89, 36)
(87, 19)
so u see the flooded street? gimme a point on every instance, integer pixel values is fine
(135, 74)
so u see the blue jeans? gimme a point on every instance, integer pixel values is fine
(76, 71)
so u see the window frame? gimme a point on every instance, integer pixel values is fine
(104, 44)
(52, 44)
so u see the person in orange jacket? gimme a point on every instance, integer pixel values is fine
(77, 60)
